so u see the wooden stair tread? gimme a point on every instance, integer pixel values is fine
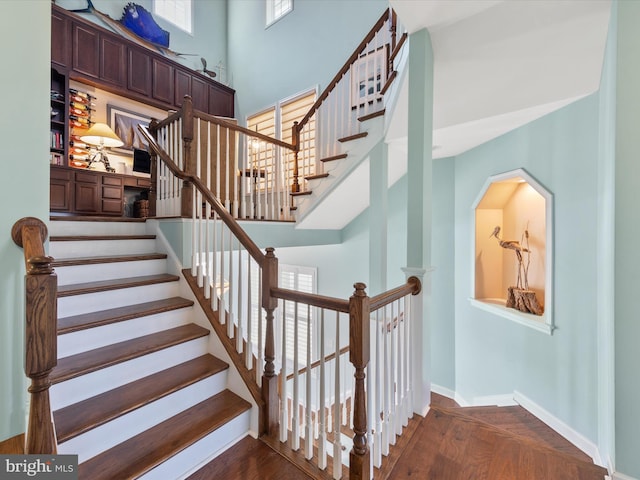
(104, 317)
(334, 157)
(145, 451)
(315, 177)
(78, 418)
(90, 361)
(87, 238)
(353, 137)
(369, 116)
(299, 194)
(66, 262)
(118, 283)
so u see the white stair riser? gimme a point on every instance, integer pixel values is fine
(69, 228)
(122, 428)
(109, 271)
(96, 337)
(202, 452)
(100, 248)
(100, 381)
(91, 302)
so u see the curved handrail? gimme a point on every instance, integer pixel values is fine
(41, 355)
(344, 69)
(224, 215)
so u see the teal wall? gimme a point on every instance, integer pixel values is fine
(442, 278)
(24, 183)
(627, 233)
(497, 356)
(304, 49)
(209, 39)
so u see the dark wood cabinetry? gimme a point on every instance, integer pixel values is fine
(86, 50)
(139, 72)
(89, 192)
(113, 61)
(96, 56)
(60, 39)
(162, 81)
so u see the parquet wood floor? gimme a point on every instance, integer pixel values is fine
(450, 443)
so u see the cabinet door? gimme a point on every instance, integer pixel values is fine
(60, 181)
(86, 49)
(162, 81)
(220, 102)
(87, 192)
(86, 198)
(60, 34)
(200, 94)
(182, 87)
(139, 72)
(112, 60)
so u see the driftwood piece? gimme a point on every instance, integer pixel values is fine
(524, 301)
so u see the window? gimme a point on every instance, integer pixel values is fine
(276, 9)
(277, 122)
(177, 12)
(302, 279)
(292, 277)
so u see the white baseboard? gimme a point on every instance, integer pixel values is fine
(583, 443)
(498, 400)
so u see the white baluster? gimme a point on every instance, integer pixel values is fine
(337, 447)
(240, 337)
(249, 353)
(322, 402)
(295, 427)
(232, 287)
(284, 415)
(308, 447)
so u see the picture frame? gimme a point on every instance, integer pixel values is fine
(125, 124)
(368, 76)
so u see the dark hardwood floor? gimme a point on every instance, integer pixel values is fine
(450, 443)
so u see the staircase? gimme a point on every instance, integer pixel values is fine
(136, 392)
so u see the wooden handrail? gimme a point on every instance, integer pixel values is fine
(317, 363)
(312, 299)
(41, 285)
(413, 287)
(224, 215)
(246, 131)
(344, 69)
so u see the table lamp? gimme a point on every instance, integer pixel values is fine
(101, 135)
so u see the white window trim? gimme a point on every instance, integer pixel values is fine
(172, 19)
(270, 14)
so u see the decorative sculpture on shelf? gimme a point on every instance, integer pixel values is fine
(520, 297)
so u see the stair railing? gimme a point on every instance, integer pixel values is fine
(353, 381)
(326, 396)
(41, 285)
(357, 91)
(211, 148)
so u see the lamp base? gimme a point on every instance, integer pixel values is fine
(100, 157)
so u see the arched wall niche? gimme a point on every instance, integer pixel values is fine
(513, 217)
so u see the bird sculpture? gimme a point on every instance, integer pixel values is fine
(516, 247)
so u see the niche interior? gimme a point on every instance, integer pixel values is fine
(513, 250)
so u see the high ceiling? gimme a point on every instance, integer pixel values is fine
(499, 64)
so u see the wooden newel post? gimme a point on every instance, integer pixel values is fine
(359, 310)
(189, 166)
(41, 352)
(153, 190)
(295, 140)
(269, 378)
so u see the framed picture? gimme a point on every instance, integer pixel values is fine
(125, 124)
(368, 76)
